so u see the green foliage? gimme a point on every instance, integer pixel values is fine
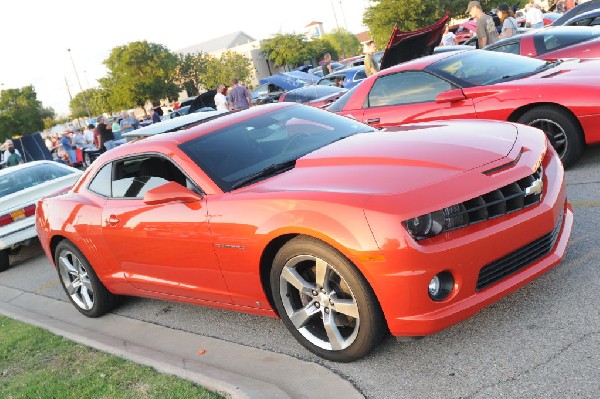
(138, 72)
(190, 68)
(410, 15)
(90, 102)
(21, 112)
(289, 49)
(343, 43)
(223, 69)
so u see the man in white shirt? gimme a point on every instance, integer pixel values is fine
(220, 99)
(534, 17)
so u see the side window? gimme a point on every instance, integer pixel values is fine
(595, 22)
(360, 75)
(405, 88)
(133, 177)
(101, 182)
(512, 48)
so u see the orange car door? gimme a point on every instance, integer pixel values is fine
(163, 248)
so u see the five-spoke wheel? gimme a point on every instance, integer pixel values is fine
(80, 282)
(324, 300)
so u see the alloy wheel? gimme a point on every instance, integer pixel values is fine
(319, 302)
(76, 280)
(555, 133)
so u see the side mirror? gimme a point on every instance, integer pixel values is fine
(450, 96)
(170, 192)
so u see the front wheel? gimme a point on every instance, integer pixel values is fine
(85, 291)
(324, 301)
(562, 131)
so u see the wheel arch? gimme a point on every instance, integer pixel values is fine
(519, 112)
(270, 251)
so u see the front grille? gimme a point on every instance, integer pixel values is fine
(507, 199)
(518, 259)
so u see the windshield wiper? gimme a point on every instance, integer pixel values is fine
(547, 64)
(273, 169)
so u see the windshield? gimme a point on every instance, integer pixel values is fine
(232, 154)
(481, 67)
(24, 178)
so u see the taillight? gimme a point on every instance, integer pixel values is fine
(5, 219)
(29, 210)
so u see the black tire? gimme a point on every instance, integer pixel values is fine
(561, 128)
(4, 261)
(81, 284)
(343, 306)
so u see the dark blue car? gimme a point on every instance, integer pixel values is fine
(351, 77)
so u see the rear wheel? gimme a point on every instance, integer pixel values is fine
(85, 291)
(324, 301)
(561, 128)
(4, 261)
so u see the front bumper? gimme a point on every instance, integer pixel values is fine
(400, 276)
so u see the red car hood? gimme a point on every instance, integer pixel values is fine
(397, 160)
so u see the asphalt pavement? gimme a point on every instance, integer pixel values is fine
(541, 341)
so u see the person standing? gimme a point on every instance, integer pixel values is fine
(88, 136)
(5, 153)
(239, 97)
(327, 69)
(533, 16)
(448, 37)
(67, 146)
(486, 28)
(371, 66)
(105, 135)
(154, 115)
(127, 123)
(508, 20)
(220, 99)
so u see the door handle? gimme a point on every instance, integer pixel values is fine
(373, 120)
(112, 220)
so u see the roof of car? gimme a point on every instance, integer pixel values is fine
(12, 169)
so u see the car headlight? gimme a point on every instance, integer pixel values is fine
(434, 223)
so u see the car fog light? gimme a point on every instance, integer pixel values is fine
(441, 286)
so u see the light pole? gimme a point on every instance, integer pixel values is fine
(338, 30)
(78, 81)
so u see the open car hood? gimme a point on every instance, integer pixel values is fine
(405, 46)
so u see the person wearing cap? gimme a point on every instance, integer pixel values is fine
(6, 151)
(486, 28)
(508, 20)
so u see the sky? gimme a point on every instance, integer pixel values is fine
(37, 35)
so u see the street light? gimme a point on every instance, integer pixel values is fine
(78, 81)
(338, 30)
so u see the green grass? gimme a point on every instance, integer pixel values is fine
(37, 364)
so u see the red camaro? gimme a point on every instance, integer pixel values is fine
(560, 98)
(553, 43)
(343, 231)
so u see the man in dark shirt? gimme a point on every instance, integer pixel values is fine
(105, 133)
(327, 64)
(239, 97)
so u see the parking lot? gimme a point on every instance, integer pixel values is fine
(542, 341)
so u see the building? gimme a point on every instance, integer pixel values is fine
(314, 30)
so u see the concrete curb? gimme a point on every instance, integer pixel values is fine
(231, 369)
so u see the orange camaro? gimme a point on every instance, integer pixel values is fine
(344, 231)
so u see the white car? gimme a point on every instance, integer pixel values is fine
(21, 187)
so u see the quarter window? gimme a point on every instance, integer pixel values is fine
(405, 88)
(102, 180)
(513, 48)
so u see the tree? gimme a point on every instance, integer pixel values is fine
(409, 15)
(288, 49)
(189, 70)
(21, 112)
(90, 102)
(223, 69)
(138, 72)
(343, 43)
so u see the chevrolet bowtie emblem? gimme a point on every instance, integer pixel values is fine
(535, 188)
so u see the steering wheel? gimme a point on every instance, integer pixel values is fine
(294, 141)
